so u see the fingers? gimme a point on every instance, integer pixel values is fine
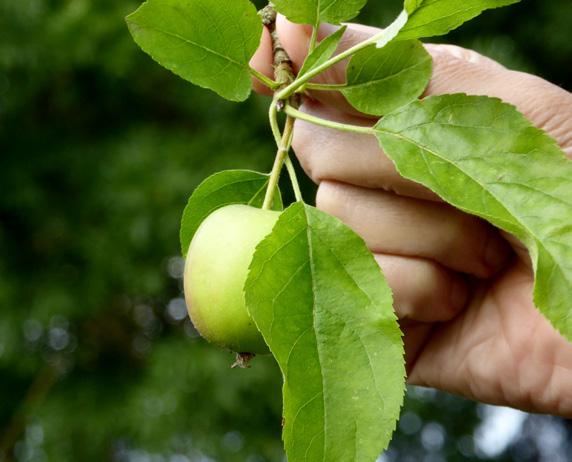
(499, 350)
(396, 225)
(422, 289)
(262, 62)
(455, 70)
(549, 107)
(295, 39)
(328, 154)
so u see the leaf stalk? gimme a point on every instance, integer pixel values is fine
(284, 76)
(264, 79)
(297, 114)
(383, 37)
(281, 156)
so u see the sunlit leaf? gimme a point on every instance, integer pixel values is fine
(316, 11)
(391, 31)
(207, 42)
(484, 157)
(322, 52)
(221, 189)
(429, 18)
(380, 80)
(325, 310)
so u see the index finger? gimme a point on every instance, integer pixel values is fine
(295, 39)
(455, 70)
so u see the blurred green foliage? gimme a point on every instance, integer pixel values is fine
(99, 150)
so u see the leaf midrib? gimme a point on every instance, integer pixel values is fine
(355, 86)
(192, 43)
(351, 328)
(313, 271)
(517, 218)
(232, 183)
(440, 19)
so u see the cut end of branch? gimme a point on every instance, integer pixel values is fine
(283, 70)
(268, 15)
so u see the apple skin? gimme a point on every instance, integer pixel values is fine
(216, 270)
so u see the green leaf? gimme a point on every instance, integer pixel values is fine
(429, 18)
(207, 42)
(392, 31)
(221, 189)
(320, 300)
(484, 157)
(322, 52)
(411, 5)
(380, 80)
(316, 11)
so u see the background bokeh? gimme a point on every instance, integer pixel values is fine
(99, 150)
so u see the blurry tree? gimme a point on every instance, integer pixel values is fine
(99, 150)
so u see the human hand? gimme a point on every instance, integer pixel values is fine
(462, 289)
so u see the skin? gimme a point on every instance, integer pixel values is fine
(463, 290)
(215, 272)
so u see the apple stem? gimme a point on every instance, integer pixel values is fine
(284, 76)
(281, 157)
(294, 179)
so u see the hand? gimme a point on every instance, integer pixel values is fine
(462, 289)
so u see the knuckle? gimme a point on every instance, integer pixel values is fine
(329, 197)
(304, 148)
(550, 108)
(494, 252)
(455, 56)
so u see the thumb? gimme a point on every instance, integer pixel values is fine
(295, 39)
(455, 70)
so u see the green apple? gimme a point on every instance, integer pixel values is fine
(215, 272)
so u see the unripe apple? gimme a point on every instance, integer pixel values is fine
(216, 270)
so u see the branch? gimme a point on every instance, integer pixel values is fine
(283, 70)
(284, 76)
